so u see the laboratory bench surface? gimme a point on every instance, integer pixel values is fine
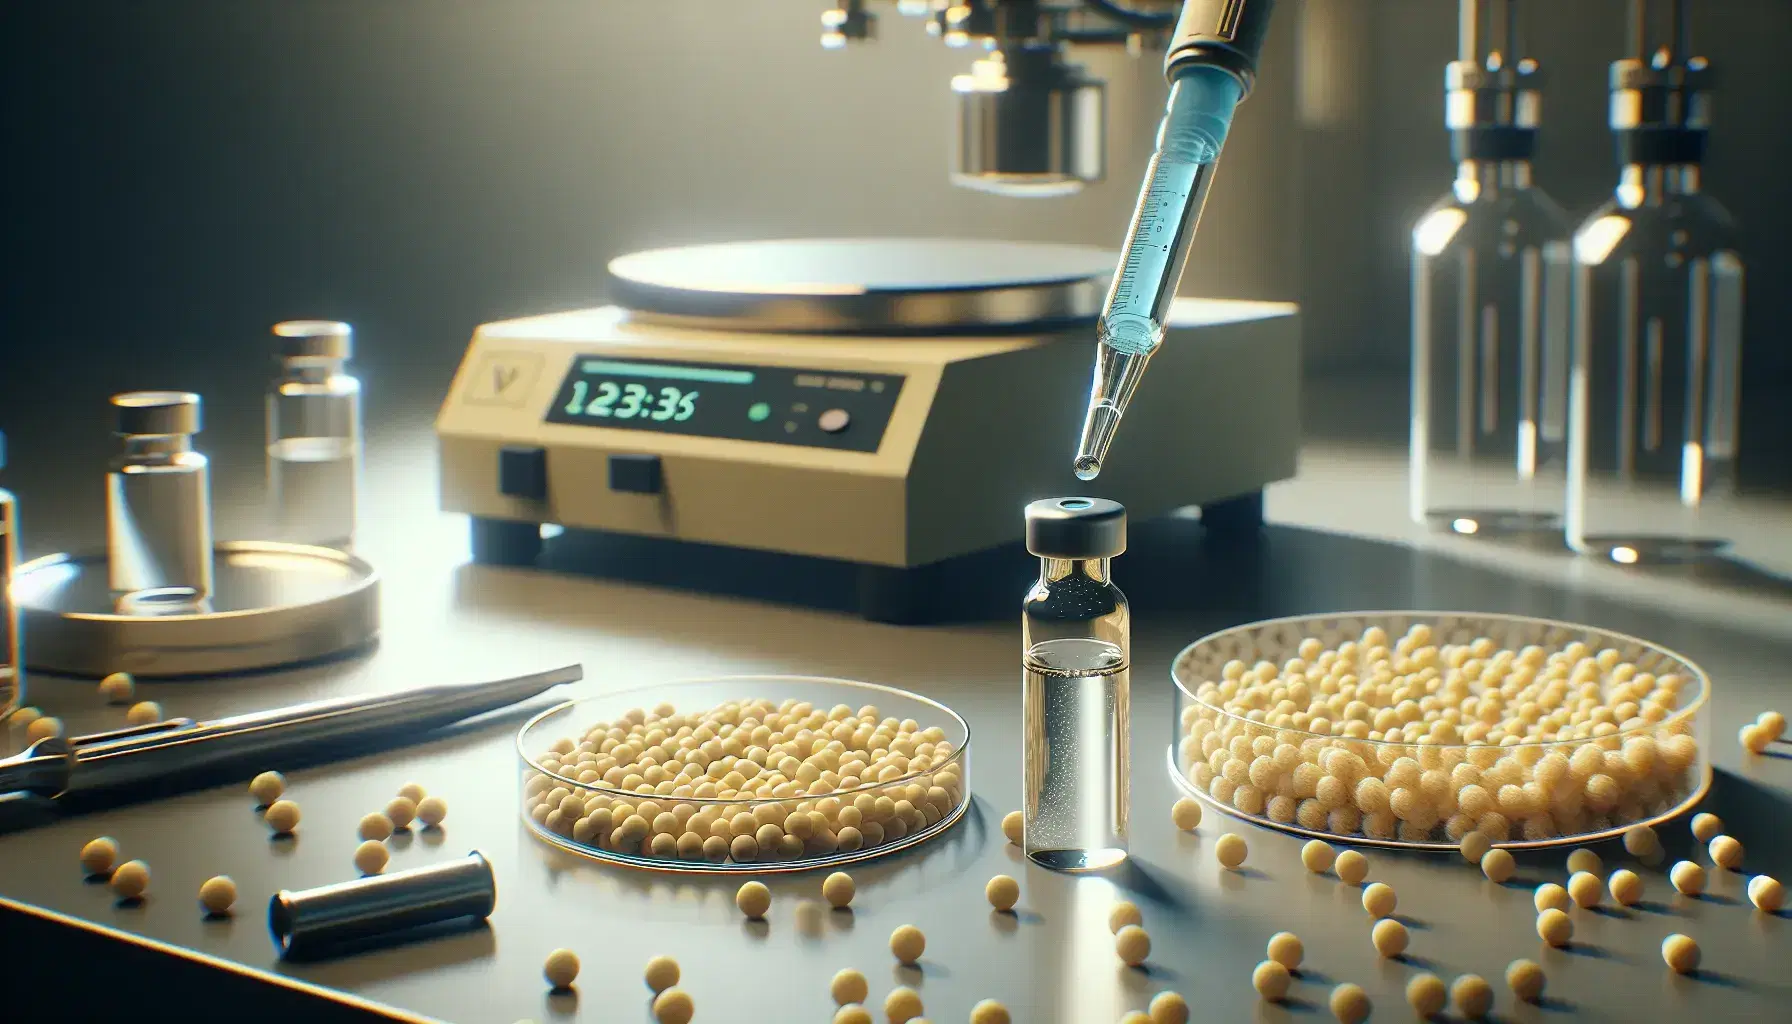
(445, 620)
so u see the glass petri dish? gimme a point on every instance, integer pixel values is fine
(1559, 783)
(560, 796)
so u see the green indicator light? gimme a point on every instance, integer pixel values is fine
(759, 412)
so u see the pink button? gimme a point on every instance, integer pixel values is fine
(834, 420)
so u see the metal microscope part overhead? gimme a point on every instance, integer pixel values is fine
(1135, 16)
(848, 22)
(1029, 124)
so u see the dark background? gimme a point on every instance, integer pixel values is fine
(180, 175)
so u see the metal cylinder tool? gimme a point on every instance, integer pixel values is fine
(316, 923)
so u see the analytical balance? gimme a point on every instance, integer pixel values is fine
(890, 403)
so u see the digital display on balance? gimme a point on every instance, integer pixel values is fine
(772, 404)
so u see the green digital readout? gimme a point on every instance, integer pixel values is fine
(846, 410)
(627, 401)
(593, 395)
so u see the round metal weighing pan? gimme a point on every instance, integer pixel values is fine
(703, 694)
(1276, 639)
(896, 286)
(273, 604)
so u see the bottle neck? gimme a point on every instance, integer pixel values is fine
(157, 445)
(1053, 569)
(1474, 177)
(311, 370)
(1652, 184)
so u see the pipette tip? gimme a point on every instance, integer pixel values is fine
(1098, 433)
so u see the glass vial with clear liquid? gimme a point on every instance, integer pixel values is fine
(1075, 703)
(12, 653)
(314, 435)
(1490, 314)
(1657, 370)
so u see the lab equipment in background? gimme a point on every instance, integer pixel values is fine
(334, 919)
(1211, 65)
(1656, 379)
(314, 435)
(151, 758)
(158, 504)
(1030, 121)
(1490, 314)
(12, 661)
(164, 599)
(887, 403)
(1076, 643)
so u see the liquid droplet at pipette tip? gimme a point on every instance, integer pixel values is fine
(1088, 467)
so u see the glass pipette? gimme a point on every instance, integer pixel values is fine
(1199, 113)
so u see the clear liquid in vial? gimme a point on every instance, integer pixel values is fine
(1077, 787)
(312, 484)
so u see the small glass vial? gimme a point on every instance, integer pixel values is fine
(12, 654)
(1490, 314)
(158, 502)
(1658, 333)
(314, 435)
(1076, 653)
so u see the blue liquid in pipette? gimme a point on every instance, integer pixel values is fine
(1198, 116)
(1131, 326)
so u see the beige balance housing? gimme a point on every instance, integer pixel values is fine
(982, 425)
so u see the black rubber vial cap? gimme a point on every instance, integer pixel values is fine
(1076, 528)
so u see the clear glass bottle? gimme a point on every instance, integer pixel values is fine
(158, 502)
(1490, 315)
(1657, 371)
(1076, 643)
(314, 435)
(12, 653)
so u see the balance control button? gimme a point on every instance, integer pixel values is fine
(834, 420)
(523, 472)
(636, 474)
